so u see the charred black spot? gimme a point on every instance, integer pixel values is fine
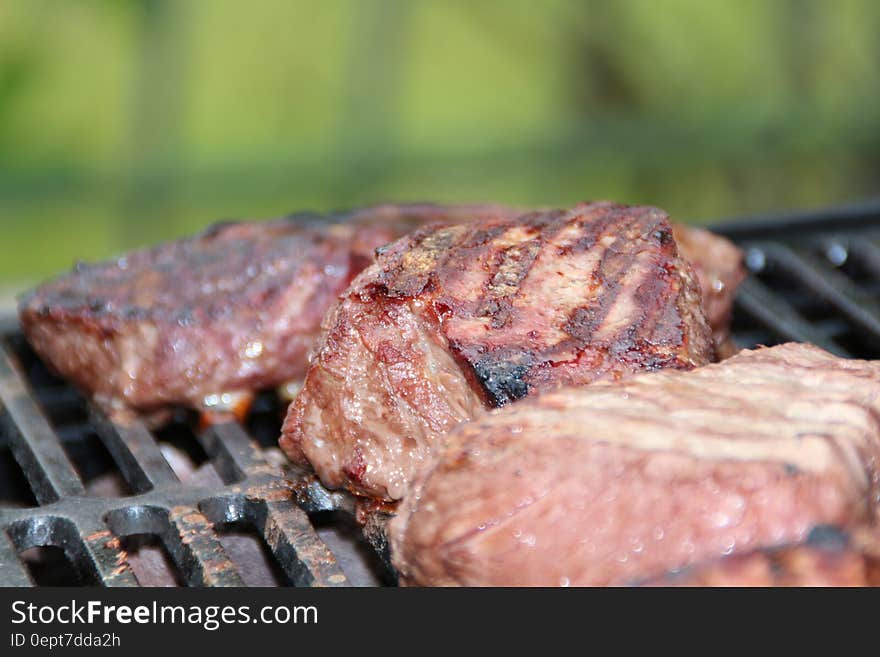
(663, 235)
(502, 380)
(827, 537)
(486, 235)
(374, 290)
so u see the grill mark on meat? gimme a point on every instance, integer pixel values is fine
(650, 292)
(584, 321)
(504, 373)
(415, 270)
(513, 266)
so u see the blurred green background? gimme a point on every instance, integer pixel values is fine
(125, 122)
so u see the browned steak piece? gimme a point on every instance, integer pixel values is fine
(718, 264)
(716, 261)
(719, 268)
(829, 557)
(610, 484)
(451, 320)
(234, 309)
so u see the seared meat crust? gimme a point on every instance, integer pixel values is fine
(453, 319)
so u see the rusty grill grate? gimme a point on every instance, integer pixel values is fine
(46, 425)
(814, 278)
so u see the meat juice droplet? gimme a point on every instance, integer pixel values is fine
(253, 349)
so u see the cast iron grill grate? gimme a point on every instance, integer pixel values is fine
(57, 450)
(814, 278)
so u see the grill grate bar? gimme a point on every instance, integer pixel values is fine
(289, 534)
(99, 552)
(194, 546)
(58, 399)
(271, 509)
(12, 570)
(235, 454)
(92, 552)
(135, 451)
(867, 252)
(88, 528)
(769, 309)
(35, 445)
(832, 286)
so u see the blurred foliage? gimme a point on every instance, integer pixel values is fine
(128, 122)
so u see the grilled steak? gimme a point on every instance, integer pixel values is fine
(210, 318)
(610, 484)
(451, 320)
(829, 557)
(716, 261)
(718, 266)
